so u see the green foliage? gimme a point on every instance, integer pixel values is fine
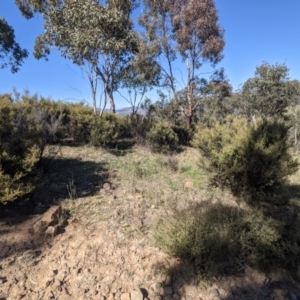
(268, 93)
(97, 34)
(214, 98)
(183, 133)
(20, 151)
(221, 240)
(126, 126)
(80, 119)
(140, 126)
(11, 54)
(106, 130)
(245, 156)
(162, 138)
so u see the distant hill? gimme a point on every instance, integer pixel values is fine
(125, 111)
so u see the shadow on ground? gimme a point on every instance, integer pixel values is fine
(219, 242)
(121, 147)
(63, 178)
(267, 291)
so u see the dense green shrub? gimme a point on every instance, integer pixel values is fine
(80, 120)
(247, 157)
(105, 131)
(162, 138)
(46, 114)
(20, 150)
(222, 240)
(126, 124)
(184, 134)
(140, 127)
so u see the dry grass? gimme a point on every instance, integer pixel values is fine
(108, 226)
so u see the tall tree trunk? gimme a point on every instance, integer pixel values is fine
(189, 95)
(94, 95)
(105, 101)
(111, 100)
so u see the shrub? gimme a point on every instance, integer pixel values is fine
(140, 127)
(184, 134)
(80, 119)
(105, 131)
(162, 138)
(221, 240)
(20, 151)
(245, 156)
(46, 114)
(126, 124)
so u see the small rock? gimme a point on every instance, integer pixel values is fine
(7, 262)
(215, 292)
(103, 191)
(176, 297)
(168, 290)
(106, 186)
(148, 221)
(125, 296)
(4, 251)
(104, 289)
(168, 280)
(49, 218)
(189, 185)
(29, 253)
(51, 230)
(136, 223)
(136, 295)
(112, 198)
(111, 297)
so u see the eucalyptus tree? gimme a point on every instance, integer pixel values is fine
(186, 29)
(293, 112)
(215, 98)
(97, 33)
(11, 53)
(141, 75)
(267, 93)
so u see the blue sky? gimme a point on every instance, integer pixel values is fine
(256, 31)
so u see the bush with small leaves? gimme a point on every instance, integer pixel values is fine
(184, 134)
(80, 119)
(222, 240)
(105, 131)
(162, 138)
(140, 127)
(126, 124)
(20, 151)
(247, 157)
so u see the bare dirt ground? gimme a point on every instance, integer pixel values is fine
(104, 248)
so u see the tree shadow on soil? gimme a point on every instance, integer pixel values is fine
(121, 147)
(267, 291)
(62, 179)
(265, 240)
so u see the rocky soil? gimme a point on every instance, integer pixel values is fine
(102, 248)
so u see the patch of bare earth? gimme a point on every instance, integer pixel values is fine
(103, 248)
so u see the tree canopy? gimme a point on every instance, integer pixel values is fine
(188, 30)
(268, 92)
(11, 53)
(93, 32)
